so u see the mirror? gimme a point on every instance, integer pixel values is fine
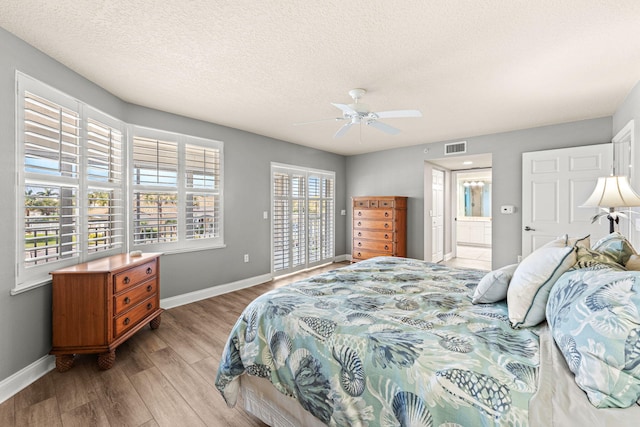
(474, 194)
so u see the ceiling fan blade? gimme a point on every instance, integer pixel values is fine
(398, 114)
(319, 120)
(343, 130)
(346, 109)
(383, 127)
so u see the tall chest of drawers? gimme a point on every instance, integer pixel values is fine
(98, 305)
(379, 227)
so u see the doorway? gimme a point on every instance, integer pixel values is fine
(473, 218)
(449, 196)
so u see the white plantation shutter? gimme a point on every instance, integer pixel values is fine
(302, 218)
(51, 138)
(202, 176)
(74, 190)
(51, 153)
(105, 200)
(177, 191)
(155, 191)
(281, 219)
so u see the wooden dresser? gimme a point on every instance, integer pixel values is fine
(98, 305)
(379, 227)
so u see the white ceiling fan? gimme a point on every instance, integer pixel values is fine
(358, 113)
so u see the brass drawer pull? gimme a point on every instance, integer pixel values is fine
(126, 280)
(386, 247)
(359, 254)
(149, 270)
(149, 288)
(126, 321)
(359, 234)
(386, 214)
(127, 300)
(359, 213)
(386, 225)
(359, 224)
(386, 236)
(359, 244)
(149, 306)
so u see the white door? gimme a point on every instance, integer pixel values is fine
(437, 216)
(554, 185)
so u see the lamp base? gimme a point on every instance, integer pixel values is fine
(611, 221)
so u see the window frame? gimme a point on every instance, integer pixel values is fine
(183, 244)
(326, 253)
(27, 278)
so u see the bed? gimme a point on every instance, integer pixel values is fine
(398, 342)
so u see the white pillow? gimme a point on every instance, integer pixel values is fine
(532, 281)
(493, 286)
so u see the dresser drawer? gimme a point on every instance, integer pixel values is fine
(366, 254)
(373, 245)
(134, 316)
(133, 276)
(372, 224)
(380, 214)
(133, 296)
(373, 235)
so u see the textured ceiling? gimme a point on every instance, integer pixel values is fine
(472, 67)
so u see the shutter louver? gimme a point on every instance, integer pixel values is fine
(51, 138)
(202, 173)
(51, 153)
(303, 223)
(155, 213)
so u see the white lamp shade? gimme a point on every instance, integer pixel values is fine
(613, 192)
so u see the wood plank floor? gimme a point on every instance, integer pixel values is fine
(160, 378)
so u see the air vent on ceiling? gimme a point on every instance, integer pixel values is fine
(455, 148)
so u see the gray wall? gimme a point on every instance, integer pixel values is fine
(401, 172)
(25, 325)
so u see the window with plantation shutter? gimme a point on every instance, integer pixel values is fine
(90, 186)
(105, 210)
(69, 182)
(302, 218)
(177, 191)
(202, 178)
(51, 161)
(155, 191)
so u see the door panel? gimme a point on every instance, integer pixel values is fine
(555, 183)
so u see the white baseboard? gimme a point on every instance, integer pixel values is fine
(24, 377)
(213, 291)
(449, 256)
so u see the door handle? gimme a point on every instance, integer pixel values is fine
(527, 228)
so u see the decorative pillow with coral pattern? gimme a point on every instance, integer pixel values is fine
(594, 317)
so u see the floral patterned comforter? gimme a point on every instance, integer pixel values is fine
(387, 342)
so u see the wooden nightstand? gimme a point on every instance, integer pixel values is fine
(98, 305)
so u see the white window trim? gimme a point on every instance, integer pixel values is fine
(182, 245)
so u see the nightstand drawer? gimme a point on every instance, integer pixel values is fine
(132, 277)
(130, 298)
(134, 316)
